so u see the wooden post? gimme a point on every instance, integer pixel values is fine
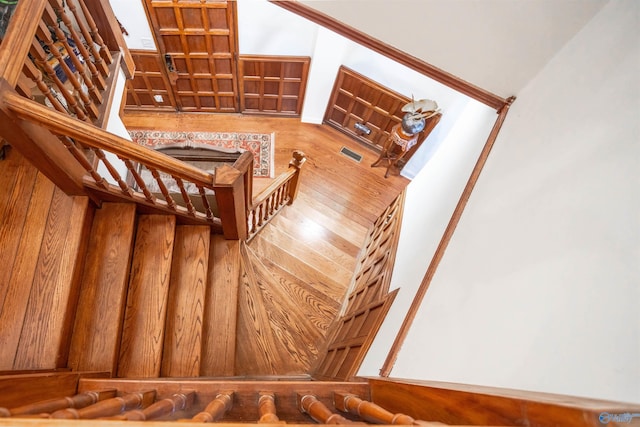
(229, 189)
(108, 407)
(317, 410)
(368, 411)
(296, 162)
(216, 409)
(41, 148)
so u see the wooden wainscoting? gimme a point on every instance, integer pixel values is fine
(273, 84)
(358, 99)
(150, 87)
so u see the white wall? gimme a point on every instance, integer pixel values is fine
(538, 289)
(497, 45)
(132, 16)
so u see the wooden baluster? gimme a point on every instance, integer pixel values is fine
(62, 14)
(267, 408)
(216, 409)
(34, 74)
(51, 405)
(141, 184)
(114, 172)
(82, 159)
(44, 34)
(82, 70)
(369, 411)
(168, 406)
(108, 407)
(309, 404)
(163, 188)
(205, 202)
(185, 197)
(104, 50)
(40, 58)
(101, 65)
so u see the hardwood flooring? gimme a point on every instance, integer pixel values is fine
(298, 269)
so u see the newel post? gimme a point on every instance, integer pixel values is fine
(232, 206)
(296, 162)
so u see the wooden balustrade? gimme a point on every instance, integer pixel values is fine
(282, 191)
(216, 409)
(368, 411)
(52, 405)
(108, 407)
(267, 408)
(317, 410)
(161, 408)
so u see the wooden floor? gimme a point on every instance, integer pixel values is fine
(309, 251)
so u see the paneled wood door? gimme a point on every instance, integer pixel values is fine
(197, 41)
(358, 99)
(150, 87)
(273, 84)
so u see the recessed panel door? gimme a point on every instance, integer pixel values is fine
(198, 43)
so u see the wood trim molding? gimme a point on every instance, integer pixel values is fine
(437, 74)
(444, 242)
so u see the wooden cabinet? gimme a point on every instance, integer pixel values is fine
(358, 100)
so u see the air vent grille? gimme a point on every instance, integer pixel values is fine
(351, 154)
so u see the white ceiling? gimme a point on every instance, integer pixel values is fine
(498, 45)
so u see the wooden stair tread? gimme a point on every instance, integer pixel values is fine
(145, 313)
(96, 337)
(48, 317)
(23, 259)
(221, 310)
(185, 312)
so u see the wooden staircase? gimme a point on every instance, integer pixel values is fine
(157, 315)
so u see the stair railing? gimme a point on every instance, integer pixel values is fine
(283, 191)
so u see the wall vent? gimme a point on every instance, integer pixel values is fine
(351, 154)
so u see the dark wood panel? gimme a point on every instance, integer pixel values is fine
(273, 84)
(199, 41)
(16, 390)
(356, 99)
(150, 86)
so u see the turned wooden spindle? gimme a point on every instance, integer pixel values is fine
(267, 408)
(108, 407)
(102, 66)
(104, 50)
(51, 405)
(216, 409)
(369, 411)
(45, 36)
(168, 406)
(163, 188)
(205, 202)
(309, 404)
(185, 196)
(82, 70)
(82, 159)
(114, 172)
(34, 74)
(142, 186)
(40, 58)
(80, 44)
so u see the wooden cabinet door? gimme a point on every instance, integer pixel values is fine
(358, 99)
(198, 44)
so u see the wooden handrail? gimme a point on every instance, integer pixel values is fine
(18, 37)
(92, 136)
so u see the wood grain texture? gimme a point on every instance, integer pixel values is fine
(221, 310)
(16, 390)
(466, 404)
(145, 314)
(185, 312)
(96, 336)
(45, 331)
